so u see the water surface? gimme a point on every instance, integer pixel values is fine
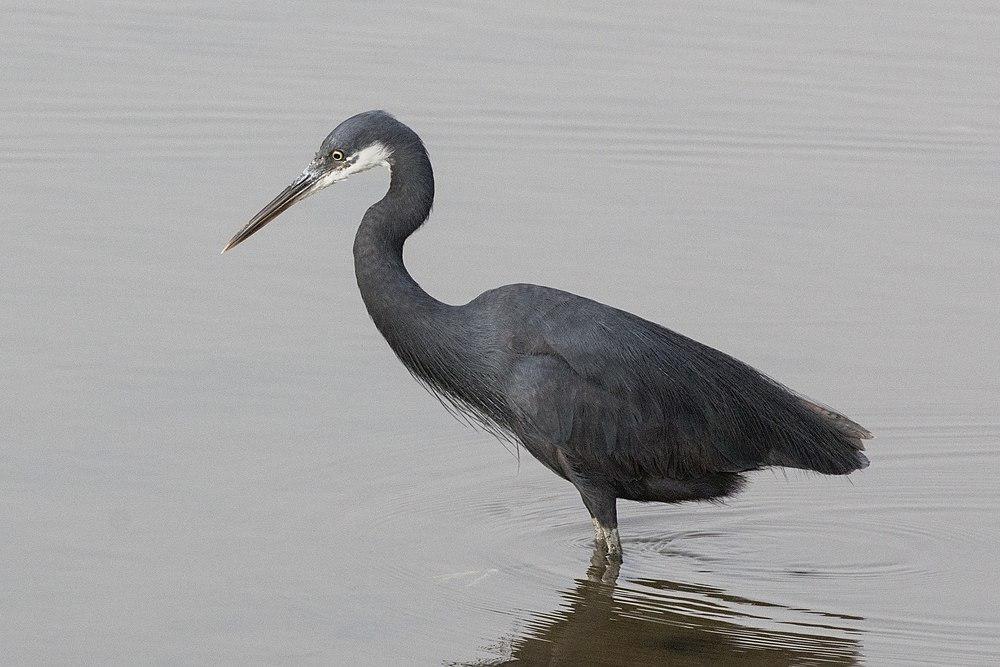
(208, 458)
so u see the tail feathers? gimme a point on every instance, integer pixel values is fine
(841, 462)
(852, 429)
(863, 461)
(829, 443)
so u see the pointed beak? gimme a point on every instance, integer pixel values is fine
(300, 189)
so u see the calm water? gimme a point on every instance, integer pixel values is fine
(217, 459)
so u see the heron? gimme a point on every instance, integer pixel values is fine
(617, 405)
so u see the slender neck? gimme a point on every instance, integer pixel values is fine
(433, 340)
(394, 299)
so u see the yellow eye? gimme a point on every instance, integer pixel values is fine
(337, 155)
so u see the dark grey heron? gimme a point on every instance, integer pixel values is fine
(617, 405)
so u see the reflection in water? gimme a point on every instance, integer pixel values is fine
(668, 623)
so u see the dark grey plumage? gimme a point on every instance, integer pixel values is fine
(619, 406)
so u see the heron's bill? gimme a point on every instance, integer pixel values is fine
(297, 191)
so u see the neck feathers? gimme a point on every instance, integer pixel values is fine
(432, 339)
(406, 205)
(394, 299)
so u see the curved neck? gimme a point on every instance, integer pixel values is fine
(433, 340)
(392, 296)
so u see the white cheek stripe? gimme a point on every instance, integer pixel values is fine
(371, 156)
(374, 155)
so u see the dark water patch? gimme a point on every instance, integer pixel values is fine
(664, 623)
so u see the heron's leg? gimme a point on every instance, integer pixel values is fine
(600, 502)
(604, 512)
(614, 543)
(598, 533)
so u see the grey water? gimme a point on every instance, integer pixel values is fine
(210, 458)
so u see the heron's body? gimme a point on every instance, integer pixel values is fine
(617, 405)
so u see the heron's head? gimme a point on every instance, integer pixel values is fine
(361, 142)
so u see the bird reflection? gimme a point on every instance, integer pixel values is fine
(599, 622)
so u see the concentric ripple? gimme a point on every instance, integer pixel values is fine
(810, 565)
